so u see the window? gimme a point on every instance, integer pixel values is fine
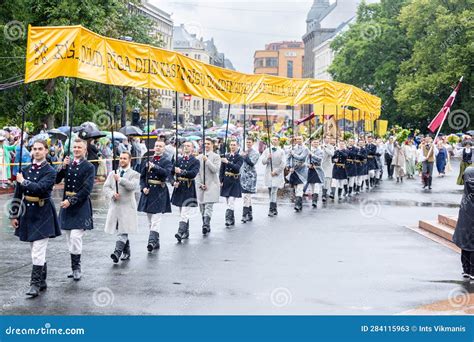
(271, 62)
(289, 69)
(259, 62)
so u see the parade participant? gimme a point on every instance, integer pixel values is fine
(410, 158)
(398, 161)
(465, 225)
(428, 154)
(208, 184)
(389, 153)
(361, 166)
(298, 170)
(441, 159)
(339, 173)
(466, 160)
(248, 178)
(327, 165)
(371, 149)
(184, 193)
(35, 220)
(380, 161)
(5, 160)
(155, 196)
(351, 167)
(273, 157)
(122, 218)
(315, 172)
(230, 180)
(75, 215)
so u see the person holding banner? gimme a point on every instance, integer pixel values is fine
(208, 183)
(122, 218)
(273, 158)
(155, 197)
(230, 180)
(428, 153)
(75, 216)
(248, 178)
(327, 165)
(339, 172)
(298, 170)
(315, 172)
(32, 213)
(351, 167)
(184, 193)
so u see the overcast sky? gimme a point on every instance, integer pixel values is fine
(240, 27)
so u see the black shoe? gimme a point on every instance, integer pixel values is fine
(206, 225)
(245, 211)
(229, 218)
(153, 241)
(315, 200)
(346, 192)
(119, 247)
(332, 195)
(35, 283)
(181, 234)
(250, 214)
(325, 195)
(349, 193)
(44, 273)
(298, 204)
(339, 193)
(76, 267)
(126, 254)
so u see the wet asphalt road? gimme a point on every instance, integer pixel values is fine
(355, 257)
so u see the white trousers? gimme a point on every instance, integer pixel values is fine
(230, 201)
(327, 183)
(272, 192)
(74, 240)
(371, 173)
(185, 213)
(352, 181)
(38, 251)
(315, 188)
(154, 221)
(361, 179)
(247, 199)
(299, 190)
(338, 183)
(206, 209)
(122, 237)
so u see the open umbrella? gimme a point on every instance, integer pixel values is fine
(471, 133)
(117, 135)
(41, 136)
(131, 131)
(193, 138)
(89, 130)
(57, 134)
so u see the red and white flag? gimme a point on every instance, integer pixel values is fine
(309, 117)
(441, 116)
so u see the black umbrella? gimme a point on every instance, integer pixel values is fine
(471, 133)
(89, 130)
(56, 133)
(131, 131)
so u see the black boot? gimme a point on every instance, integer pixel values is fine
(367, 185)
(153, 241)
(229, 218)
(332, 195)
(346, 192)
(44, 273)
(35, 282)
(357, 190)
(245, 212)
(181, 234)
(250, 214)
(315, 200)
(186, 233)
(325, 195)
(119, 247)
(339, 193)
(76, 266)
(275, 210)
(298, 204)
(350, 191)
(270, 210)
(126, 251)
(430, 181)
(206, 226)
(377, 181)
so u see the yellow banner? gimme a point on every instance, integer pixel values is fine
(73, 51)
(381, 126)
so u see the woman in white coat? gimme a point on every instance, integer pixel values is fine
(207, 183)
(122, 217)
(274, 160)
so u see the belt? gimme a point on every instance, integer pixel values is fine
(231, 174)
(358, 161)
(188, 180)
(34, 199)
(340, 165)
(70, 193)
(350, 160)
(156, 182)
(371, 157)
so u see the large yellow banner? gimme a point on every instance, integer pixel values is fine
(73, 51)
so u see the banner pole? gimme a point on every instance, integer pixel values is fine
(268, 133)
(112, 117)
(68, 151)
(203, 144)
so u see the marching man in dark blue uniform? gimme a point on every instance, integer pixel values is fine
(32, 212)
(351, 166)
(155, 197)
(339, 173)
(371, 149)
(298, 170)
(75, 216)
(315, 171)
(361, 163)
(184, 193)
(230, 181)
